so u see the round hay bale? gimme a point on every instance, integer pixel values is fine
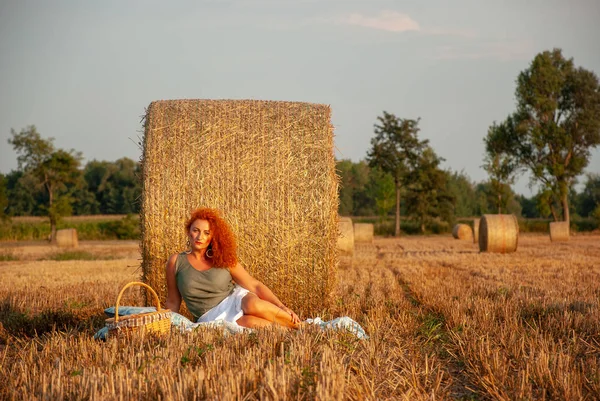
(498, 233)
(462, 232)
(67, 238)
(269, 167)
(363, 232)
(559, 231)
(476, 230)
(345, 241)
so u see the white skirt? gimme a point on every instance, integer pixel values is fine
(229, 310)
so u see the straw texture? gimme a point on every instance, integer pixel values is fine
(462, 232)
(476, 230)
(559, 231)
(268, 166)
(345, 241)
(363, 232)
(498, 233)
(67, 238)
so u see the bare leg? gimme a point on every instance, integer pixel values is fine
(253, 322)
(254, 306)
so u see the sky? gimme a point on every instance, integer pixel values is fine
(83, 72)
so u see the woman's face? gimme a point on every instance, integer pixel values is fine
(200, 234)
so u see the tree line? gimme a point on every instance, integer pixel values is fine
(367, 191)
(52, 182)
(550, 135)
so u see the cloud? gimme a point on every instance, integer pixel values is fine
(462, 33)
(494, 50)
(391, 21)
(468, 44)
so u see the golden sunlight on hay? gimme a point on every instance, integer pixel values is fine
(346, 239)
(559, 231)
(268, 166)
(498, 233)
(476, 231)
(462, 232)
(363, 232)
(67, 238)
(445, 322)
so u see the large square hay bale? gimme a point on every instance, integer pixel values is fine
(67, 238)
(268, 166)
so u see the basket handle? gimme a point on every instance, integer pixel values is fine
(158, 308)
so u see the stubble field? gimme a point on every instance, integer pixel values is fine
(445, 322)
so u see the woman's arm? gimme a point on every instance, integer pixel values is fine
(244, 279)
(173, 301)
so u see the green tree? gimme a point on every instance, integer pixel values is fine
(589, 198)
(462, 190)
(116, 185)
(363, 197)
(356, 191)
(53, 171)
(395, 150)
(128, 180)
(97, 175)
(428, 195)
(3, 198)
(21, 200)
(383, 192)
(488, 199)
(344, 168)
(548, 201)
(499, 162)
(557, 123)
(529, 207)
(84, 201)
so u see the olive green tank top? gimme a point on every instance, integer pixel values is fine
(201, 290)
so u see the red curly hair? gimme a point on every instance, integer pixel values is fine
(223, 241)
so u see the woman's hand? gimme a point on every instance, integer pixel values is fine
(294, 317)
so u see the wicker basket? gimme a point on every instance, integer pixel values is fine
(158, 322)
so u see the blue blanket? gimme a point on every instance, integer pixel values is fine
(183, 324)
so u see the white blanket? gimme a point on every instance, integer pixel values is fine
(185, 325)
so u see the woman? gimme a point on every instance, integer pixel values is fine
(203, 277)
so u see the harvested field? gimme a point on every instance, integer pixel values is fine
(92, 217)
(446, 322)
(38, 250)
